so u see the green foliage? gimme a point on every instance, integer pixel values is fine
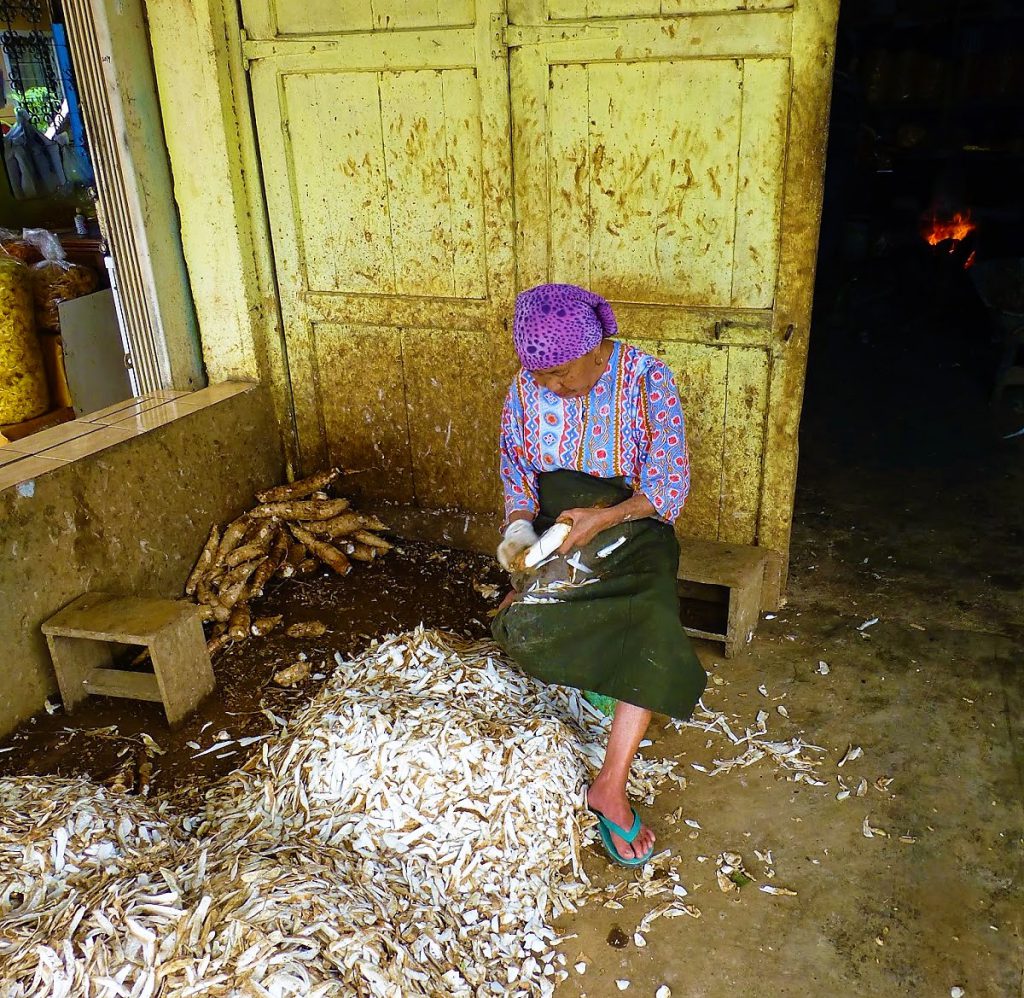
(39, 102)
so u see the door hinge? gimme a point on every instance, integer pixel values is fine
(499, 34)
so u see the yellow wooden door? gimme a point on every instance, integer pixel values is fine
(662, 157)
(666, 153)
(383, 134)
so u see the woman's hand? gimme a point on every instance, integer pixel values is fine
(587, 523)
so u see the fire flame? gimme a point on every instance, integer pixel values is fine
(936, 231)
(953, 231)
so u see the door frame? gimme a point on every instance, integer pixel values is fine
(208, 123)
(814, 23)
(137, 216)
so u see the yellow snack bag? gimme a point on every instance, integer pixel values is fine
(23, 390)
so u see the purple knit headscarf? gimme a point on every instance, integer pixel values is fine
(557, 323)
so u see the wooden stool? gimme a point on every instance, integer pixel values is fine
(720, 591)
(81, 634)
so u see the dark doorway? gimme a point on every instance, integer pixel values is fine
(912, 439)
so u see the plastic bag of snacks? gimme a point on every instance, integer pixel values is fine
(14, 245)
(23, 390)
(55, 278)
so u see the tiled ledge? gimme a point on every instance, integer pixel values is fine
(35, 455)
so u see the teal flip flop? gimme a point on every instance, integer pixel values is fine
(606, 826)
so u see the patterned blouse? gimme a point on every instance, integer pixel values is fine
(631, 424)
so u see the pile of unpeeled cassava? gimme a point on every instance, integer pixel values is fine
(293, 531)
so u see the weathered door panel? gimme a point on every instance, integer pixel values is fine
(702, 373)
(387, 169)
(270, 18)
(663, 179)
(652, 178)
(657, 180)
(746, 400)
(763, 139)
(411, 410)
(344, 239)
(582, 10)
(455, 386)
(364, 410)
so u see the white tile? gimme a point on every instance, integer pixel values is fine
(35, 443)
(105, 436)
(141, 422)
(215, 393)
(26, 469)
(116, 407)
(129, 410)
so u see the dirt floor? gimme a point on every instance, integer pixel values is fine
(415, 584)
(910, 511)
(936, 707)
(931, 692)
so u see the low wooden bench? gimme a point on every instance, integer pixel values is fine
(80, 638)
(720, 591)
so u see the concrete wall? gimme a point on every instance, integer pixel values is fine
(130, 519)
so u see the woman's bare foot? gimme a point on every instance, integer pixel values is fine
(607, 793)
(614, 805)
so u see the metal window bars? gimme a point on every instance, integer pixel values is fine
(31, 61)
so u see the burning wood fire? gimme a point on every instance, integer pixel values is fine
(936, 231)
(952, 230)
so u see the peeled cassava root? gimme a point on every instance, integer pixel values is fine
(294, 529)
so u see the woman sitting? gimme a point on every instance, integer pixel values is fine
(593, 433)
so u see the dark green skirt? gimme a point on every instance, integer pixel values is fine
(614, 630)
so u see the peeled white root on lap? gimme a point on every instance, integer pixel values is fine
(550, 541)
(544, 547)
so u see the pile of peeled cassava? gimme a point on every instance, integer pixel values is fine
(293, 531)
